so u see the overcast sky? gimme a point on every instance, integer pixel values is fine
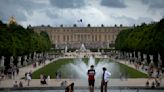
(94, 12)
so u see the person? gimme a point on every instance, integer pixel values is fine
(147, 83)
(43, 79)
(15, 84)
(105, 79)
(28, 79)
(91, 79)
(20, 84)
(48, 79)
(70, 88)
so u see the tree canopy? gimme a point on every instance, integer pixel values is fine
(147, 38)
(16, 40)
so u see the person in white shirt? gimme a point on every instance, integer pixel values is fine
(105, 79)
(28, 79)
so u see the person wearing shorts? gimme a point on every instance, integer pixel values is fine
(91, 78)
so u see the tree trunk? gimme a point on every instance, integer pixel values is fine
(15, 60)
(148, 58)
(136, 54)
(7, 61)
(155, 59)
(32, 56)
(22, 59)
(162, 58)
(142, 57)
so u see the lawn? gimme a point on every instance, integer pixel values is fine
(52, 68)
(132, 73)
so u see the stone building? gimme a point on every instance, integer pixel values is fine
(73, 37)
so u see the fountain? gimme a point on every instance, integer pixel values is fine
(82, 48)
(79, 68)
(66, 49)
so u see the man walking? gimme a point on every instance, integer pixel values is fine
(105, 78)
(91, 78)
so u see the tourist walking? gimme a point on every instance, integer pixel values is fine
(105, 79)
(91, 78)
(28, 79)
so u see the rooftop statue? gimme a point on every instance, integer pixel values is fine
(12, 20)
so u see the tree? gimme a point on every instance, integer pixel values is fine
(146, 38)
(18, 41)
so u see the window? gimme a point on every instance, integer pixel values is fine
(99, 37)
(58, 38)
(64, 38)
(67, 37)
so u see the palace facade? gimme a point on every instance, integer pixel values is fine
(74, 37)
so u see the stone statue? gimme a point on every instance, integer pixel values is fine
(11, 60)
(19, 61)
(2, 61)
(151, 60)
(159, 61)
(66, 49)
(139, 56)
(25, 60)
(29, 58)
(12, 20)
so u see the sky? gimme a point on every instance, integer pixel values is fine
(94, 12)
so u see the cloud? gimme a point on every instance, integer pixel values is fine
(67, 3)
(51, 14)
(154, 3)
(113, 3)
(129, 21)
(67, 12)
(19, 9)
(10, 8)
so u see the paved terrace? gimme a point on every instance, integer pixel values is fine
(8, 83)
